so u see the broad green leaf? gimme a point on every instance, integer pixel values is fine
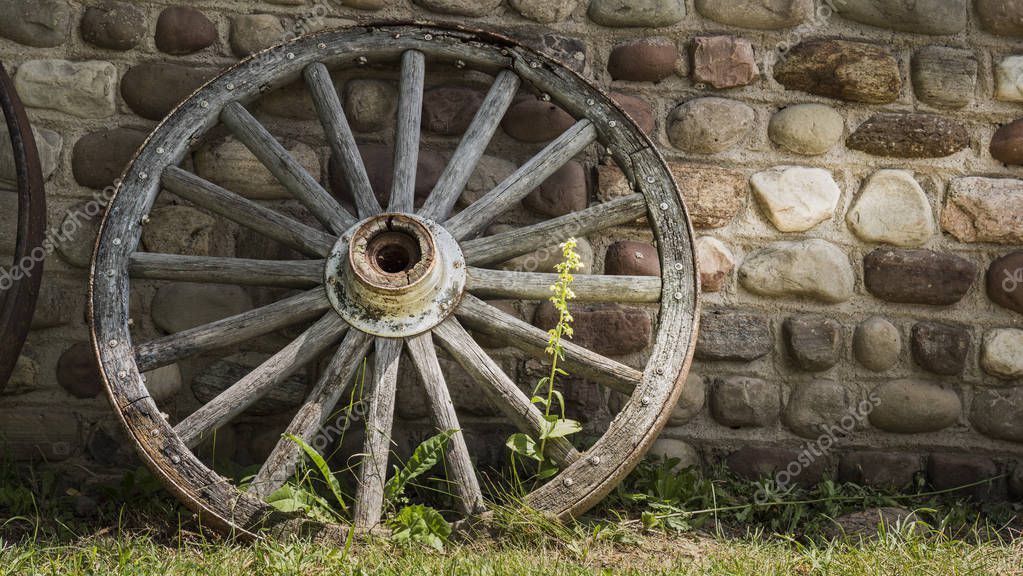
(523, 445)
(321, 465)
(560, 427)
(425, 457)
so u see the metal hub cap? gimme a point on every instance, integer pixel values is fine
(395, 275)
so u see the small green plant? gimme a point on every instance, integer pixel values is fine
(417, 523)
(421, 524)
(555, 425)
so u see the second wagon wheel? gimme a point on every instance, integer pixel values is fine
(390, 281)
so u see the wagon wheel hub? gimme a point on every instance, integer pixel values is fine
(395, 275)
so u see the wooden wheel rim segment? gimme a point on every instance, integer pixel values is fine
(585, 477)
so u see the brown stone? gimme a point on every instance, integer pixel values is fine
(944, 77)
(981, 209)
(755, 463)
(562, 193)
(998, 413)
(608, 329)
(731, 335)
(1007, 143)
(533, 120)
(644, 60)
(100, 158)
(742, 402)
(184, 30)
(1003, 17)
(631, 258)
(853, 71)
(940, 347)
(713, 195)
(612, 183)
(487, 341)
(814, 343)
(153, 89)
(716, 263)
(641, 112)
(918, 276)
(1005, 281)
(724, 61)
(379, 161)
(909, 136)
(78, 372)
(113, 25)
(951, 471)
(448, 110)
(882, 470)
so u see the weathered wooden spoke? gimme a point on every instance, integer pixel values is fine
(475, 218)
(406, 131)
(217, 270)
(481, 316)
(230, 331)
(507, 245)
(508, 398)
(252, 215)
(312, 415)
(452, 181)
(369, 498)
(587, 288)
(244, 393)
(285, 168)
(341, 139)
(442, 411)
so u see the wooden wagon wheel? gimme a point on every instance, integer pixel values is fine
(20, 287)
(391, 279)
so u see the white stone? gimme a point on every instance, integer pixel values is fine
(49, 144)
(811, 268)
(892, 209)
(230, 164)
(692, 401)
(669, 448)
(877, 344)
(82, 89)
(544, 11)
(715, 261)
(164, 383)
(808, 129)
(1009, 79)
(794, 198)
(1002, 353)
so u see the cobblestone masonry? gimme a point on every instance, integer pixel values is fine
(852, 166)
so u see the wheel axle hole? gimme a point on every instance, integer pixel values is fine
(394, 252)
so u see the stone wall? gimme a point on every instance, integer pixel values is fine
(851, 168)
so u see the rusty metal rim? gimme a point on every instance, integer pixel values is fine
(21, 288)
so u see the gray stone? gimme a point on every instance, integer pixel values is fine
(964, 474)
(59, 304)
(1009, 79)
(474, 8)
(251, 33)
(984, 210)
(869, 524)
(814, 342)
(545, 259)
(78, 232)
(809, 129)
(877, 344)
(164, 383)
(290, 101)
(1003, 17)
(917, 276)
(637, 13)
(113, 25)
(694, 397)
(883, 470)
(794, 198)
(914, 406)
(449, 109)
(758, 14)
(184, 30)
(818, 408)
(490, 172)
(944, 77)
(230, 164)
(940, 347)
(1001, 354)
(26, 375)
(39, 23)
(715, 262)
(741, 402)
(182, 305)
(669, 449)
(730, 335)
(713, 195)
(852, 71)
(998, 413)
(892, 209)
(710, 125)
(82, 89)
(48, 143)
(813, 269)
(544, 11)
(181, 230)
(782, 465)
(935, 17)
(369, 104)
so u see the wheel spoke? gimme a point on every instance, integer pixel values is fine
(311, 417)
(230, 331)
(406, 135)
(578, 360)
(216, 270)
(508, 398)
(463, 162)
(369, 498)
(341, 139)
(507, 245)
(285, 168)
(587, 288)
(257, 217)
(244, 393)
(475, 218)
(442, 411)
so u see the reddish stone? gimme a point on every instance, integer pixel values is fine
(940, 347)
(533, 120)
(643, 60)
(153, 89)
(608, 329)
(562, 193)
(641, 112)
(100, 158)
(724, 61)
(1007, 143)
(379, 161)
(183, 30)
(1005, 281)
(917, 276)
(78, 372)
(630, 258)
(448, 110)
